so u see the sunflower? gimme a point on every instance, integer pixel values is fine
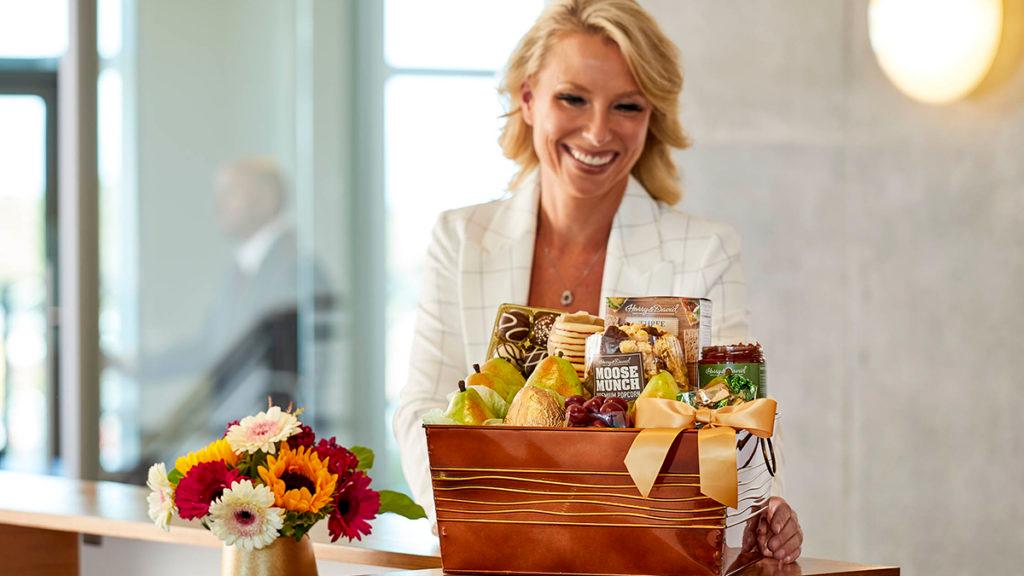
(216, 450)
(299, 479)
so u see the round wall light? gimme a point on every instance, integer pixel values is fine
(935, 51)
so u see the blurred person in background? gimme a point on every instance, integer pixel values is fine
(247, 349)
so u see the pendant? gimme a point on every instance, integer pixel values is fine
(566, 298)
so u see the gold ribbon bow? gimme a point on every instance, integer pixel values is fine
(663, 420)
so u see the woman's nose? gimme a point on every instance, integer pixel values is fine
(596, 131)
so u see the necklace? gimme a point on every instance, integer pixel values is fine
(567, 295)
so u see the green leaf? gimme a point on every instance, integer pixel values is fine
(174, 477)
(365, 456)
(398, 503)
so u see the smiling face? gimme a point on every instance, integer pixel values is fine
(588, 116)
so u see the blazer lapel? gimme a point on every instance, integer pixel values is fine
(497, 270)
(634, 265)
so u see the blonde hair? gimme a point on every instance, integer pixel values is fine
(652, 58)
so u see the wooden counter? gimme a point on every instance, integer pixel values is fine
(42, 516)
(803, 567)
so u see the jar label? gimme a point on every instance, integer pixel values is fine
(746, 380)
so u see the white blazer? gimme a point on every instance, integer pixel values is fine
(481, 256)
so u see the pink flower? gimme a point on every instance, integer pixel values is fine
(339, 460)
(355, 504)
(304, 438)
(262, 432)
(203, 484)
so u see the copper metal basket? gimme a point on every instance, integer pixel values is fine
(514, 500)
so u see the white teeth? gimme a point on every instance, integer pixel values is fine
(591, 160)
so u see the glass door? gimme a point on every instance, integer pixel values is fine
(28, 375)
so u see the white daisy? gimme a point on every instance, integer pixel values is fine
(161, 497)
(244, 516)
(262, 431)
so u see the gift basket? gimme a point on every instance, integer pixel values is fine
(604, 456)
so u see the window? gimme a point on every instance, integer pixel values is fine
(32, 36)
(442, 118)
(267, 95)
(26, 441)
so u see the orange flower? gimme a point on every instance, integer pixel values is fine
(299, 479)
(216, 450)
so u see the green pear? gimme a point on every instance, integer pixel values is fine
(558, 375)
(506, 370)
(494, 381)
(661, 385)
(468, 408)
(494, 402)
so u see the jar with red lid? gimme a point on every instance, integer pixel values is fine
(738, 367)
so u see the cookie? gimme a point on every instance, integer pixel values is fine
(542, 324)
(511, 352)
(532, 359)
(514, 326)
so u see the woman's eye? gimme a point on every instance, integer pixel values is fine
(571, 99)
(630, 107)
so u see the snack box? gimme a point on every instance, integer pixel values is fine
(688, 319)
(513, 500)
(520, 335)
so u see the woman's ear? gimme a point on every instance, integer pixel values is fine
(526, 102)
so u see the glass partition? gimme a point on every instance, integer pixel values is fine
(230, 198)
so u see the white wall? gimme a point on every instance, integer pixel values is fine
(881, 246)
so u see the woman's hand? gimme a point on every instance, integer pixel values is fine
(778, 533)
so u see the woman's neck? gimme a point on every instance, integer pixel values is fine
(571, 224)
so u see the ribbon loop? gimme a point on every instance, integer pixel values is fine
(663, 420)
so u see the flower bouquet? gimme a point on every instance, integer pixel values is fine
(269, 479)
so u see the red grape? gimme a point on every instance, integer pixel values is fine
(621, 402)
(594, 404)
(576, 415)
(577, 399)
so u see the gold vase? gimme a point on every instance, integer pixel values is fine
(285, 557)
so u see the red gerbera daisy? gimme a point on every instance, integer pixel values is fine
(304, 438)
(355, 504)
(203, 484)
(340, 460)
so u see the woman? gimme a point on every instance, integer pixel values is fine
(593, 89)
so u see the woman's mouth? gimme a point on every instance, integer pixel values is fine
(591, 160)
